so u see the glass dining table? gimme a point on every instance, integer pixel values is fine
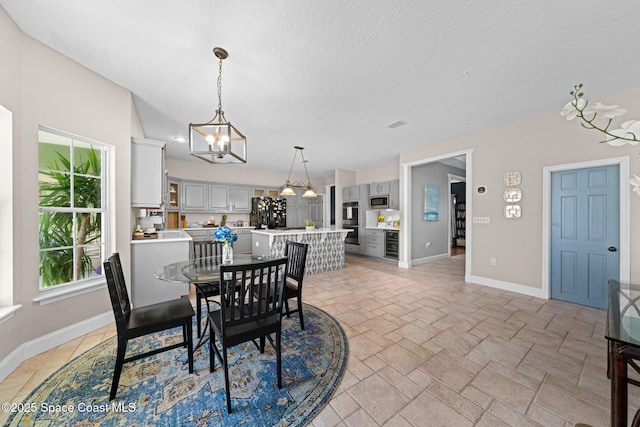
(205, 271)
(623, 337)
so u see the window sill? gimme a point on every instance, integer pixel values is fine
(53, 295)
(6, 313)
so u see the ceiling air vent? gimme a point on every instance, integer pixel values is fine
(396, 124)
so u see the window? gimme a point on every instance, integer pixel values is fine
(73, 211)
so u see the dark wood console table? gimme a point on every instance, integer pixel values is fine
(623, 338)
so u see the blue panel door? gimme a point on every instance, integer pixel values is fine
(585, 234)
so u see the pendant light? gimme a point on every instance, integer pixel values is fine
(289, 186)
(218, 141)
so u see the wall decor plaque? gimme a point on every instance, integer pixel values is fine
(512, 178)
(512, 195)
(512, 211)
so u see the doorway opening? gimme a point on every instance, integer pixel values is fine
(457, 215)
(413, 241)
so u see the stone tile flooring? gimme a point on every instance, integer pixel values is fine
(428, 349)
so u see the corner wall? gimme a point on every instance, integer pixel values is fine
(43, 87)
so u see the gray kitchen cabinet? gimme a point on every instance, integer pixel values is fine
(147, 173)
(218, 198)
(194, 196)
(241, 199)
(293, 201)
(265, 192)
(394, 194)
(316, 212)
(374, 243)
(351, 193)
(174, 189)
(379, 188)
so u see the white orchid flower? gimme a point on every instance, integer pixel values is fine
(629, 132)
(570, 110)
(635, 181)
(607, 111)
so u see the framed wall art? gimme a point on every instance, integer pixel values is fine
(431, 203)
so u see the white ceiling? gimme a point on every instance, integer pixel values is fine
(330, 75)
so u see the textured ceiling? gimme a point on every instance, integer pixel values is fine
(330, 75)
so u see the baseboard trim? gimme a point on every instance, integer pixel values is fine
(51, 340)
(428, 259)
(507, 286)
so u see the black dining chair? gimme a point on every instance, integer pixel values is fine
(202, 249)
(250, 308)
(297, 254)
(139, 321)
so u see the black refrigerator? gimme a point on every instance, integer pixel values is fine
(268, 212)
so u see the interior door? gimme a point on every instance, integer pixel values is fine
(585, 234)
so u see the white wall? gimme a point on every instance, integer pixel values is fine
(235, 174)
(386, 172)
(42, 87)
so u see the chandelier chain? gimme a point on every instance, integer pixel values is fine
(220, 85)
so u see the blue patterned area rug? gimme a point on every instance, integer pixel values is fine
(159, 391)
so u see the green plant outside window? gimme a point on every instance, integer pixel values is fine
(72, 212)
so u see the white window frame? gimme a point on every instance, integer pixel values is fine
(8, 307)
(69, 289)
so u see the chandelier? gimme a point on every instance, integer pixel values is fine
(289, 186)
(218, 141)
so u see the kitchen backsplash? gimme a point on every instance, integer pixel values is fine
(232, 219)
(390, 216)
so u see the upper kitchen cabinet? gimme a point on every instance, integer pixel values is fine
(274, 193)
(394, 194)
(194, 196)
(175, 191)
(379, 188)
(241, 199)
(218, 198)
(147, 173)
(351, 193)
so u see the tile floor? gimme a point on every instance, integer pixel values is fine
(428, 349)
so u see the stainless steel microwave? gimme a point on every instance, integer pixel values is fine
(379, 202)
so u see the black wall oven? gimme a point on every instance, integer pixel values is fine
(350, 213)
(352, 235)
(350, 222)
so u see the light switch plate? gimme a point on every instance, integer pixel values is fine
(481, 220)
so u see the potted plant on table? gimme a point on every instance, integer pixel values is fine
(228, 236)
(310, 225)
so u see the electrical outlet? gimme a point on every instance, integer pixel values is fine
(257, 243)
(493, 261)
(426, 245)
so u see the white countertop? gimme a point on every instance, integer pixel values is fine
(248, 227)
(166, 236)
(388, 228)
(280, 231)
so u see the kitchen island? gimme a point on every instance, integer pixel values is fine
(326, 246)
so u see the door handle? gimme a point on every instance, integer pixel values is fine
(612, 249)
